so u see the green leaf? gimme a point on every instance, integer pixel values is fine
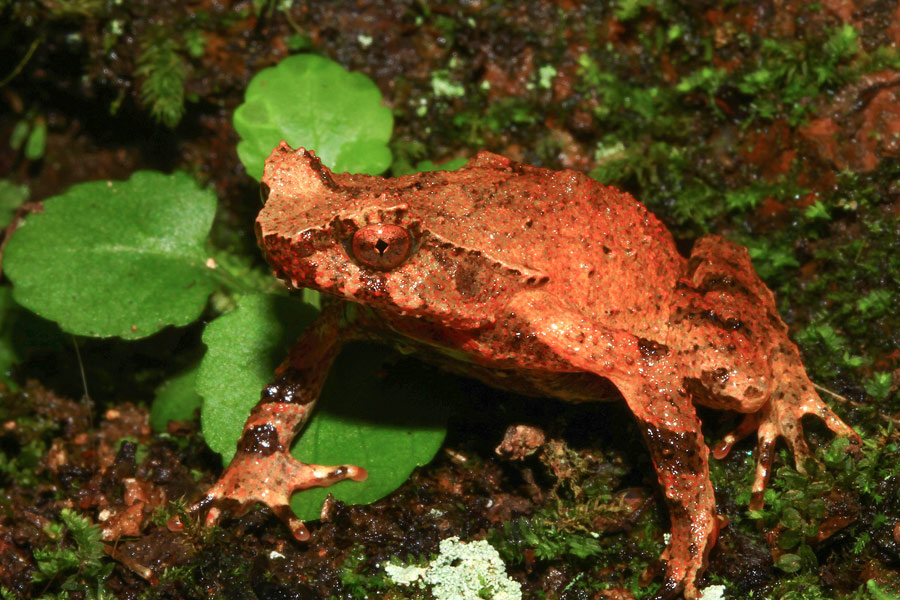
(314, 103)
(386, 424)
(112, 258)
(19, 134)
(36, 143)
(176, 400)
(879, 385)
(789, 563)
(449, 165)
(12, 196)
(790, 518)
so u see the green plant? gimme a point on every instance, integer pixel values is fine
(163, 72)
(80, 569)
(30, 136)
(117, 258)
(315, 103)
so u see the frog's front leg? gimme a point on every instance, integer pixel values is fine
(263, 469)
(671, 428)
(649, 380)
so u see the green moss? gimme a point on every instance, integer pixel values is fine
(162, 71)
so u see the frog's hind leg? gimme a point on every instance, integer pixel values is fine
(793, 398)
(771, 384)
(263, 469)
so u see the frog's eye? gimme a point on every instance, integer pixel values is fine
(381, 246)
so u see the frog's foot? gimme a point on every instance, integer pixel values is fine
(271, 480)
(780, 417)
(694, 531)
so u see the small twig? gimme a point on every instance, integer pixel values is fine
(87, 394)
(846, 400)
(23, 62)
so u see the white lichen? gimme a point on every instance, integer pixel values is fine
(462, 571)
(713, 592)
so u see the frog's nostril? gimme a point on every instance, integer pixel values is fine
(263, 192)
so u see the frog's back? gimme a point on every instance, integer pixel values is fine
(601, 250)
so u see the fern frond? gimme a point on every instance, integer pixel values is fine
(162, 68)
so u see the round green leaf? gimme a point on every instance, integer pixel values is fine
(388, 424)
(789, 563)
(116, 258)
(314, 103)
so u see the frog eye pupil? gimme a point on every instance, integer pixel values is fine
(381, 246)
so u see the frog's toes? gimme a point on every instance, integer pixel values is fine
(748, 425)
(781, 418)
(269, 480)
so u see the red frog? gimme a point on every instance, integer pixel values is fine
(543, 282)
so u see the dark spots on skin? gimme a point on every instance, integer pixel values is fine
(674, 451)
(286, 388)
(723, 283)
(706, 387)
(712, 317)
(720, 375)
(651, 349)
(468, 283)
(606, 250)
(261, 440)
(373, 283)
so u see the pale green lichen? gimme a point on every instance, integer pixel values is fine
(462, 571)
(713, 592)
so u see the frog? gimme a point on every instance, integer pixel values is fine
(546, 283)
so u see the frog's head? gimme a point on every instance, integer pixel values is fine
(367, 239)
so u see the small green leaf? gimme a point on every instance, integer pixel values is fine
(790, 518)
(314, 103)
(110, 258)
(386, 424)
(12, 196)
(817, 210)
(176, 400)
(879, 385)
(789, 563)
(788, 538)
(36, 143)
(19, 134)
